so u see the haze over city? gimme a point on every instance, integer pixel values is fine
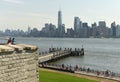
(17, 14)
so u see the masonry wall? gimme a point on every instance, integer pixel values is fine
(19, 67)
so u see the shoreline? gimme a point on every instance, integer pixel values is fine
(85, 71)
(100, 79)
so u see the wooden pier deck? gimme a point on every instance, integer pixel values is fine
(55, 53)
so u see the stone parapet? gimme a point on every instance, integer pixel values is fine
(18, 63)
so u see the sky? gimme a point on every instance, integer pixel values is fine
(19, 14)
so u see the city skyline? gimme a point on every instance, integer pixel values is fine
(17, 14)
(81, 30)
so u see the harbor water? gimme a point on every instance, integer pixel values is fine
(100, 53)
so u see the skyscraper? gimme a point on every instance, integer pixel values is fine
(118, 31)
(84, 30)
(61, 28)
(59, 23)
(102, 29)
(77, 26)
(113, 27)
(59, 19)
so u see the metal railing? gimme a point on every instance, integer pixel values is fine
(83, 70)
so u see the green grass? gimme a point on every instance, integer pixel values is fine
(46, 76)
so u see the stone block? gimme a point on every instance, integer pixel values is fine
(18, 67)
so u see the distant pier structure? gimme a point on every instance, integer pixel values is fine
(59, 53)
(75, 52)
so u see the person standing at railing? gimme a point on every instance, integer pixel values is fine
(9, 41)
(13, 40)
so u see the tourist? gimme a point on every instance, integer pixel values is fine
(76, 68)
(9, 41)
(70, 68)
(107, 73)
(13, 40)
(88, 70)
(63, 66)
(98, 72)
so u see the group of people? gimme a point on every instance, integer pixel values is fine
(106, 73)
(11, 40)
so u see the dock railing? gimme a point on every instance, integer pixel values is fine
(83, 70)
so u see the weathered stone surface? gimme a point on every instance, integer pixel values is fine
(4, 48)
(18, 67)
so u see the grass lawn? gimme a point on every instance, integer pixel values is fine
(46, 76)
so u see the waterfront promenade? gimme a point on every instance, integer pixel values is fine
(107, 76)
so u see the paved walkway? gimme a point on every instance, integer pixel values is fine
(100, 79)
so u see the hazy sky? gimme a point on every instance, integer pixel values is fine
(16, 14)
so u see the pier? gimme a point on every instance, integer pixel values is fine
(58, 53)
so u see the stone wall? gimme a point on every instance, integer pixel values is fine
(18, 63)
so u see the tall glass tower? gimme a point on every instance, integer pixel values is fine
(59, 19)
(60, 23)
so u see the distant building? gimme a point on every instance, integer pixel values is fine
(84, 31)
(61, 27)
(35, 32)
(49, 30)
(77, 26)
(93, 31)
(102, 29)
(113, 27)
(63, 30)
(102, 24)
(8, 32)
(110, 32)
(118, 31)
(70, 32)
(29, 30)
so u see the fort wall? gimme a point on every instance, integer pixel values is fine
(18, 63)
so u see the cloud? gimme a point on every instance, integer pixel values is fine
(14, 1)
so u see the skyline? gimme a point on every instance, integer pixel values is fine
(19, 14)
